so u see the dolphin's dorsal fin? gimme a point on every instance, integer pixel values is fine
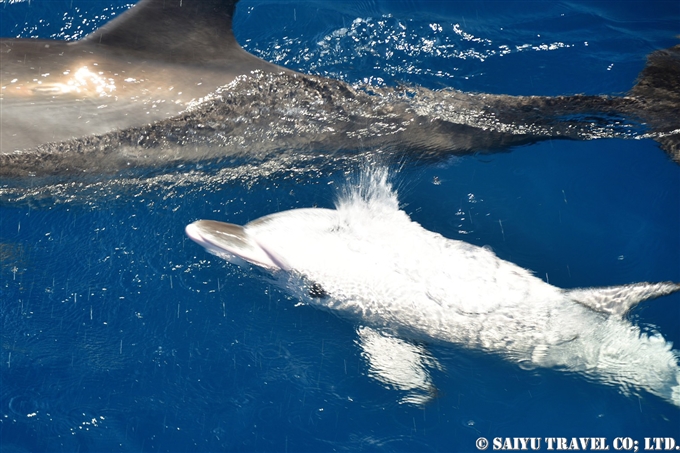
(617, 300)
(184, 31)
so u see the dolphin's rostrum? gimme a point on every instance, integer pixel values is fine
(167, 83)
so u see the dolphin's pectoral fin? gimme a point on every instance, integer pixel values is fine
(399, 365)
(617, 300)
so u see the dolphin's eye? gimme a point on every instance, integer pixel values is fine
(316, 291)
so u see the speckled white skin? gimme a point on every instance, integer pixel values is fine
(378, 266)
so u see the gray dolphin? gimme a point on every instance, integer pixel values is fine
(132, 95)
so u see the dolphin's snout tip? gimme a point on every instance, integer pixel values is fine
(193, 231)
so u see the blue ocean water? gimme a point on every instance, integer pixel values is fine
(120, 334)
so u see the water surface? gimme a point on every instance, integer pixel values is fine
(119, 334)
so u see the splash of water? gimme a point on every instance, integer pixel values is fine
(371, 190)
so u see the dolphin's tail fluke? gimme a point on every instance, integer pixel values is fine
(651, 109)
(657, 96)
(626, 356)
(620, 354)
(675, 393)
(618, 300)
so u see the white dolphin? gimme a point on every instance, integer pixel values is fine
(369, 261)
